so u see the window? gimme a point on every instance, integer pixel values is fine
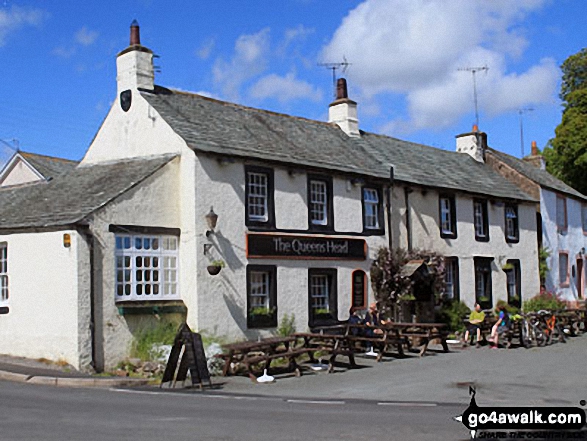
(3, 274)
(481, 221)
(561, 214)
(359, 290)
(512, 233)
(563, 269)
(146, 267)
(320, 216)
(372, 211)
(483, 292)
(514, 283)
(584, 218)
(261, 296)
(322, 296)
(448, 217)
(259, 197)
(451, 277)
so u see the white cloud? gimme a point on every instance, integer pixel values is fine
(249, 60)
(205, 49)
(284, 89)
(416, 47)
(85, 36)
(293, 35)
(15, 18)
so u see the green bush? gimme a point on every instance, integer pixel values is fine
(452, 313)
(510, 309)
(287, 325)
(545, 300)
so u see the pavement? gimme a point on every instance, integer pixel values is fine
(550, 376)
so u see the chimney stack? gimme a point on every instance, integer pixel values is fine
(134, 65)
(473, 143)
(536, 159)
(343, 111)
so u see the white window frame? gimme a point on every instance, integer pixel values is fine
(147, 270)
(371, 201)
(260, 289)
(511, 218)
(318, 202)
(450, 278)
(446, 223)
(4, 292)
(320, 292)
(479, 219)
(258, 196)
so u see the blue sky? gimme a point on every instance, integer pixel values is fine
(58, 72)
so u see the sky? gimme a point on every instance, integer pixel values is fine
(409, 61)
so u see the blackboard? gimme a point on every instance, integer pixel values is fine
(193, 359)
(359, 288)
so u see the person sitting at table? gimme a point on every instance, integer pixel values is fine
(501, 326)
(373, 318)
(476, 317)
(354, 319)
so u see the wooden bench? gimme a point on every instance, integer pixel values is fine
(251, 360)
(382, 338)
(333, 344)
(422, 334)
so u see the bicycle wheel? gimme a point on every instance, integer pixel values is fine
(539, 335)
(525, 334)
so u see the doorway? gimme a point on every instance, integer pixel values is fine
(579, 279)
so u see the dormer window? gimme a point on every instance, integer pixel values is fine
(259, 197)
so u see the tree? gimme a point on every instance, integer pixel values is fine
(566, 153)
(393, 288)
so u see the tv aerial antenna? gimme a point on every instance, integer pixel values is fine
(334, 67)
(474, 71)
(521, 113)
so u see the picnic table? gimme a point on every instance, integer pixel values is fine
(252, 353)
(421, 334)
(333, 342)
(381, 337)
(572, 319)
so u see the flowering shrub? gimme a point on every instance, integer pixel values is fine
(545, 300)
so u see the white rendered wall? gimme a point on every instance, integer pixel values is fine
(426, 235)
(139, 132)
(571, 241)
(49, 298)
(154, 203)
(222, 298)
(19, 173)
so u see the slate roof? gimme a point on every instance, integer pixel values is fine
(69, 198)
(209, 125)
(541, 177)
(48, 166)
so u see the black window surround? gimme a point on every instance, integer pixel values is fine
(447, 220)
(371, 231)
(483, 284)
(452, 264)
(513, 272)
(332, 315)
(329, 225)
(257, 321)
(269, 223)
(482, 230)
(511, 223)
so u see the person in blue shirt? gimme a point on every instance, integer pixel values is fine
(501, 326)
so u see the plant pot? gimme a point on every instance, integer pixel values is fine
(213, 269)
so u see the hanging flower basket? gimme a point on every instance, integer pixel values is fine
(215, 267)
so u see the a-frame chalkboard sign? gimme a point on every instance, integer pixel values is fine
(193, 359)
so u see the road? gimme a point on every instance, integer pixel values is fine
(31, 412)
